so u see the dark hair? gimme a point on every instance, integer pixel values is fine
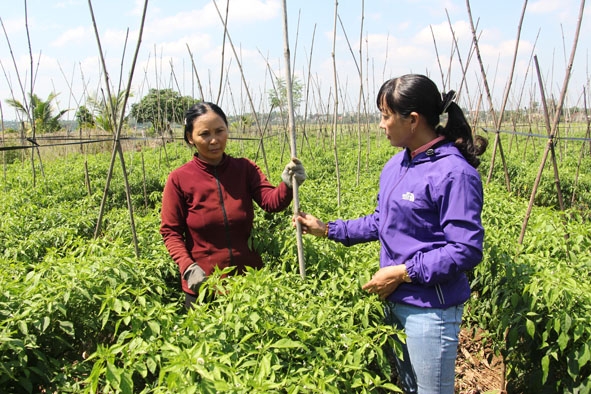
(196, 111)
(417, 93)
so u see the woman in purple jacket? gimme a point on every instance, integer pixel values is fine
(428, 222)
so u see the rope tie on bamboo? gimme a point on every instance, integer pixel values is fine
(446, 100)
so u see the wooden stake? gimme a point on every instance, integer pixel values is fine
(291, 122)
(555, 122)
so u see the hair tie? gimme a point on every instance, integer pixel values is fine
(447, 99)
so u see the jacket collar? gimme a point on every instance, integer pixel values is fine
(208, 167)
(434, 151)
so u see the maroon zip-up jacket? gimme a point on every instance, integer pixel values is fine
(207, 213)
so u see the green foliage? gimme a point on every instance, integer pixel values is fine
(40, 112)
(161, 107)
(107, 112)
(535, 298)
(278, 95)
(84, 117)
(86, 315)
(79, 314)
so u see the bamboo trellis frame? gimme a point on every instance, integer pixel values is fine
(117, 151)
(337, 94)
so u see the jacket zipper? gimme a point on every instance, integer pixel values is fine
(439, 292)
(226, 224)
(402, 175)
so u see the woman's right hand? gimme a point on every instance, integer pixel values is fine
(195, 277)
(310, 224)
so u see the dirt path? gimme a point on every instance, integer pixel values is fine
(478, 369)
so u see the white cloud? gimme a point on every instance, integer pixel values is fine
(66, 4)
(197, 43)
(252, 10)
(14, 26)
(545, 6)
(77, 35)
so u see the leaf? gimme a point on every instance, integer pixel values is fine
(154, 327)
(151, 364)
(568, 321)
(22, 326)
(67, 327)
(286, 343)
(113, 375)
(545, 368)
(126, 384)
(563, 341)
(264, 367)
(584, 355)
(531, 327)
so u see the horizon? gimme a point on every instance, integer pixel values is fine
(65, 53)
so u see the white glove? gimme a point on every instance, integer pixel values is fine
(296, 169)
(194, 276)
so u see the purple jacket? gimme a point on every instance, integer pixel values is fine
(427, 217)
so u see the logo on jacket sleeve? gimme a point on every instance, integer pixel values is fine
(408, 196)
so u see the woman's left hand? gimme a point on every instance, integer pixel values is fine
(385, 281)
(294, 169)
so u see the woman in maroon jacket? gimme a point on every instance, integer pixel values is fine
(207, 203)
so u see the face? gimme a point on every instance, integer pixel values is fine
(209, 136)
(398, 128)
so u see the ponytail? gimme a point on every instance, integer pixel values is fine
(459, 131)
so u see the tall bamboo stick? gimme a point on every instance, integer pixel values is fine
(359, 66)
(290, 107)
(497, 144)
(308, 82)
(555, 121)
(223, 51)
(588, 120)
(252, 106)
(336, 104)
(551, 135)
(201, 96)
(117, 150)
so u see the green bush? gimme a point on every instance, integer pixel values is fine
(80, 314)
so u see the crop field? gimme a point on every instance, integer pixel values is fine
(83, 312)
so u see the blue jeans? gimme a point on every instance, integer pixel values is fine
(428, 366)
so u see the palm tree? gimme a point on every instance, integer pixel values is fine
(45, 121)
(104, 110)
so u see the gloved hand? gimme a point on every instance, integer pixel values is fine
(296, 169)
(194, 276)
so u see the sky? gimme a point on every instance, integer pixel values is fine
(182, 48)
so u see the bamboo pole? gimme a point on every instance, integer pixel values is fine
(576, 181)
(497, 144)
(361, 99)
(551, 136)
(308, 81)
(463, 68)
(117, 150)
(359, 67)
(336, 104)
(2, 144)
(196, 73)
(225, 21)
(437, 57)
(554, 123)
(499, 119)
(253, 108)
(290, 107)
